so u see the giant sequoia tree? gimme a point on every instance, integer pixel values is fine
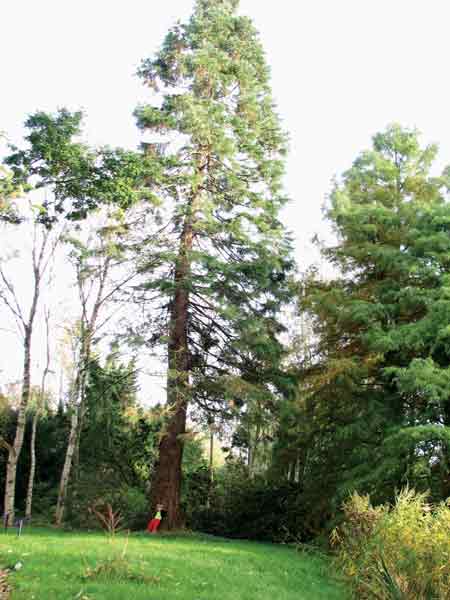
(221, 147)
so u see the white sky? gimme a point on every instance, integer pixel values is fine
(341, 71)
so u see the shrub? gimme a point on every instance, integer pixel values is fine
(131, 502)
(400, 552)
(251, 509)
(134, 506)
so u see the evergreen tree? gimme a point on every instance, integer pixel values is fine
(377, 391)
(221, 149)
(111, 390)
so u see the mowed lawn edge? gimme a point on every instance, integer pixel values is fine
(60, 565)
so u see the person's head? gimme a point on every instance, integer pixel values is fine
(159, 506)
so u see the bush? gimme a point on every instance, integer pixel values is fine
(131, 502)
(134, 506)
(400, 552)
(251, 509)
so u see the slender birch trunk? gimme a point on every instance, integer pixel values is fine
(29, 500)
(65, 475)
(14, 452)
(75, 421)
(36, 416)
(88, 328)
(40, 262)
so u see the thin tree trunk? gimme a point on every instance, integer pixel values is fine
(29, 500)
(75, 471)
(39, 407)
(64, 483)
(211, 454)
(211, 467)
(87, 331)
(73, 443)
(40, 263)
(14, 452)
(252, 450)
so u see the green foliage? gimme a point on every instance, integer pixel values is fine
(8, 191)
(221, 150)
(118, 447)
(77, 179)
(251, 509)
(373, 406)
(195, 483)
(52, 432)
(398, 552)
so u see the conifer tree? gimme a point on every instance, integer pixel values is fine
(377, 391)
(219, 142)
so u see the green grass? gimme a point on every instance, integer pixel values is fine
(191, 567)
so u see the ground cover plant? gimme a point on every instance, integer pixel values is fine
(61, 566)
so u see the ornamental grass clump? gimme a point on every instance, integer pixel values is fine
(399, 552)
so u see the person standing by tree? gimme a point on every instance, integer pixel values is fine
(153, 525)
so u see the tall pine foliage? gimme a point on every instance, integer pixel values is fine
(225, 266)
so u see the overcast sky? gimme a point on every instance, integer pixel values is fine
(341, 71)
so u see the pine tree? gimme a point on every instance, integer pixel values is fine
(219, 142)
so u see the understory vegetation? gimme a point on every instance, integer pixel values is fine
(400, 551)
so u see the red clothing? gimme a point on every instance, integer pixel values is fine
(153, 525)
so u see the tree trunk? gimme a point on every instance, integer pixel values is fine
(211, 467)
(74, 436)
(75, 470)
(63, 485)
(14, 452)
(252, 450)
(39, 264)
(167, 479)
(166, 486)
(39, 407)
(87, 331)
(29, 501)
(211, 455)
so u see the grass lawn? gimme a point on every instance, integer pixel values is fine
(191, 567)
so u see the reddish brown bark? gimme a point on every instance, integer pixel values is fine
(166, 485)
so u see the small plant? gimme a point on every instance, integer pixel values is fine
(118, 569)
(388, 582)
(110, 520)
